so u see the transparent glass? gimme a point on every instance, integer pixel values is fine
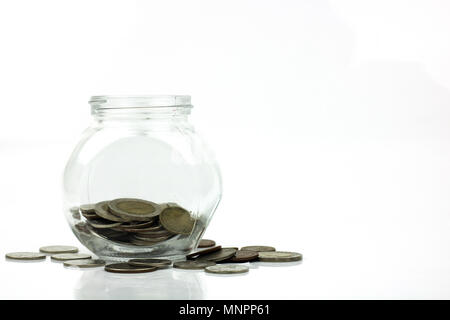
(140, 147)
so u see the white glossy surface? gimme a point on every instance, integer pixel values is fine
(330, 120)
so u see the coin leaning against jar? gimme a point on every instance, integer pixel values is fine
(137, 222)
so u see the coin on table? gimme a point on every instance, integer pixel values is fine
(197, 254)
(150, 262)
(58, 249)
(25, 256)
(127, 268)
(85, 263)
(87, 208)
(220, 255)
(193, 264)
(205, 243)
(134, 209)
(244, 256)
(102, 210)
(227, 269)
(279, 256)
(70, 256)
(103, 223)
(177, 220)
(258, 248)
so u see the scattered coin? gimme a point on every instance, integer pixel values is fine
(150, 262)
(134, 209)
(205, 243)
(244, 256)
(70, 256)
(279, 256)
(177, 220)
(258, 248)
(227, 269)
(127, 268)
(58, 249)
(193, 264)
(197, 254)
(220, 255)
(102, 210)
(85, 263)
(25, 256)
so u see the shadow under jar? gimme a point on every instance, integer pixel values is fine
(141, 183)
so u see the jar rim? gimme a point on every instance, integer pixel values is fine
(140, 101)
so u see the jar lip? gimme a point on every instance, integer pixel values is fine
(140, 101)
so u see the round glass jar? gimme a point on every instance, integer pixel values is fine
(141, 183)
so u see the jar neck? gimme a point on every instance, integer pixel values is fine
(140, 108)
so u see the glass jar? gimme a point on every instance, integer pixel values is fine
(141, 183)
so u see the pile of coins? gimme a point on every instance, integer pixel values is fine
(135, 221)
(211, 258)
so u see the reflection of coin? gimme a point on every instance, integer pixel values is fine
(197, 254)
(279, 256)
(70, 256)
(226, 269)
(205, 243)
(58, 249)
(102, 210)
(244, 256)
(220, 255)
(127, 268)
(86, 263)
(193, 264)
(150, 262)
(258, 248)
(134, 209)
(25, 256)
(177, 220)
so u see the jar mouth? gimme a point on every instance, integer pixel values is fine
(140, 101)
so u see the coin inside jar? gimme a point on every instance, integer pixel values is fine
(177, 220)
(134, 209)
(102, 210)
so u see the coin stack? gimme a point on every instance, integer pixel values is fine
(135, 221)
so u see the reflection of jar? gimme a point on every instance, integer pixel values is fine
(144, 148)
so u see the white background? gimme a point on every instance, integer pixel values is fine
(329, 119)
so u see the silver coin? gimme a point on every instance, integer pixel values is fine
(134, 209)
(127, 268)
(25, 256)
(220, 255)
(258, 248)
(87, 208)
(103, 223)
(150, 262)
(70, 256)
(85, 263)
(193, 264)
(279, 256)
(102, 210)
(58, 249)
(227, 269)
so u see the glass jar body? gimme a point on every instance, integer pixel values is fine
(153, 158)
